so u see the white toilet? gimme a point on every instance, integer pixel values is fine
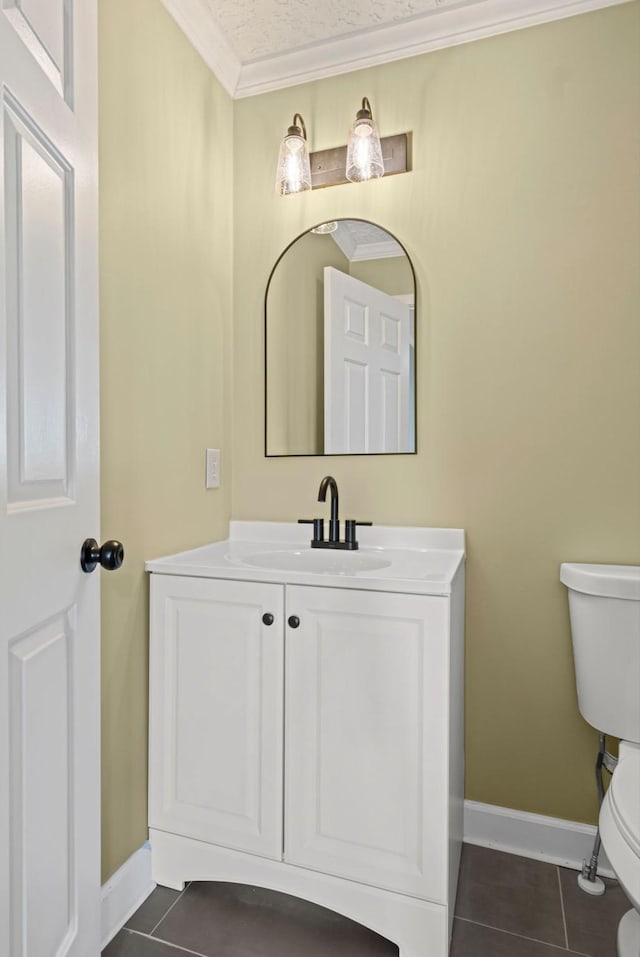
(604, 605)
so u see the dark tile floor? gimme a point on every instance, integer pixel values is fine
(507, 906)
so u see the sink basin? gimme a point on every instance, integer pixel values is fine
(321, 561)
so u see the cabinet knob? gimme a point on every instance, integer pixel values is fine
(293, 621)
(267, 618)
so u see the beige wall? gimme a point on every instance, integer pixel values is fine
(166, 259)
(392, 276)
(521, 216)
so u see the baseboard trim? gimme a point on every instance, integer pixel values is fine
(124, 892)
(532, 835)
(542, 838)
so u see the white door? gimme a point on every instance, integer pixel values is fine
(367, 362)
(366, 787)
(49, 609)
(216, 711)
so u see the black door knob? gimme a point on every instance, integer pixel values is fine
(267, 618)
(294, 621)
(110, 555)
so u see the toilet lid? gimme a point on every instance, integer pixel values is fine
(624, 797)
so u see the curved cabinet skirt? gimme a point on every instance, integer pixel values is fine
(419, 928)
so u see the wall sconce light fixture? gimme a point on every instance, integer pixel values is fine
(365, 157)
(293, 174)
(364, 153)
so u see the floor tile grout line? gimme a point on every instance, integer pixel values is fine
(534, 940)
(168, 943)
(183, 891)
(564, 916)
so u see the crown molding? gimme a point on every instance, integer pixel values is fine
(363, 252)
(196, 22)
(440, 28)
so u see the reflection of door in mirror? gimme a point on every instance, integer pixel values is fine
(297, 394)
(367, 362)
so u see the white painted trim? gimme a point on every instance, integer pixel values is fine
(435, 30)
(532, 835)
(366, 251)
(124, 892)
(196, 21)
(516, 832)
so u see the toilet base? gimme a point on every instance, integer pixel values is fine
(629, 935)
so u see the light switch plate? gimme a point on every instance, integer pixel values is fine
(212, 468)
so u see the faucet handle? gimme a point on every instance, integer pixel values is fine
(350, 531)
(318, 528)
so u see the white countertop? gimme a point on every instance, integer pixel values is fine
(421, 561)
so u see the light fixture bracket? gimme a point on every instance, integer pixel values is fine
(297, 129)
(365, 112)
(328, 166)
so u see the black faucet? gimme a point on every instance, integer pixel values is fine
(334, 523)
(318, 541)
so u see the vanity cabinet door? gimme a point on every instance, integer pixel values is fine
(216, 701)
(365, 737)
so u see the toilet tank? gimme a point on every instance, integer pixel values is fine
(604, 607)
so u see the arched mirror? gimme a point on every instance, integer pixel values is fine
(340, 344)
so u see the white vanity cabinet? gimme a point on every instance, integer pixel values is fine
(308, 737)
(364, 737)
(216, 712)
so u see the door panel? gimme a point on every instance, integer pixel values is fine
(216, 712)
(356, 406)
(390, 408)
(41, 737)
(49, 492)
(45, 28)
(367, 367)
(41, 385)
(365, 793)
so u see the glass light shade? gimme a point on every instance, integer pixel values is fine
(293, 174)
(364, 153)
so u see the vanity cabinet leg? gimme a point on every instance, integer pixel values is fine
(164, 881)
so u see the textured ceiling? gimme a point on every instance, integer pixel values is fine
(256, 29)
(254, 46)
